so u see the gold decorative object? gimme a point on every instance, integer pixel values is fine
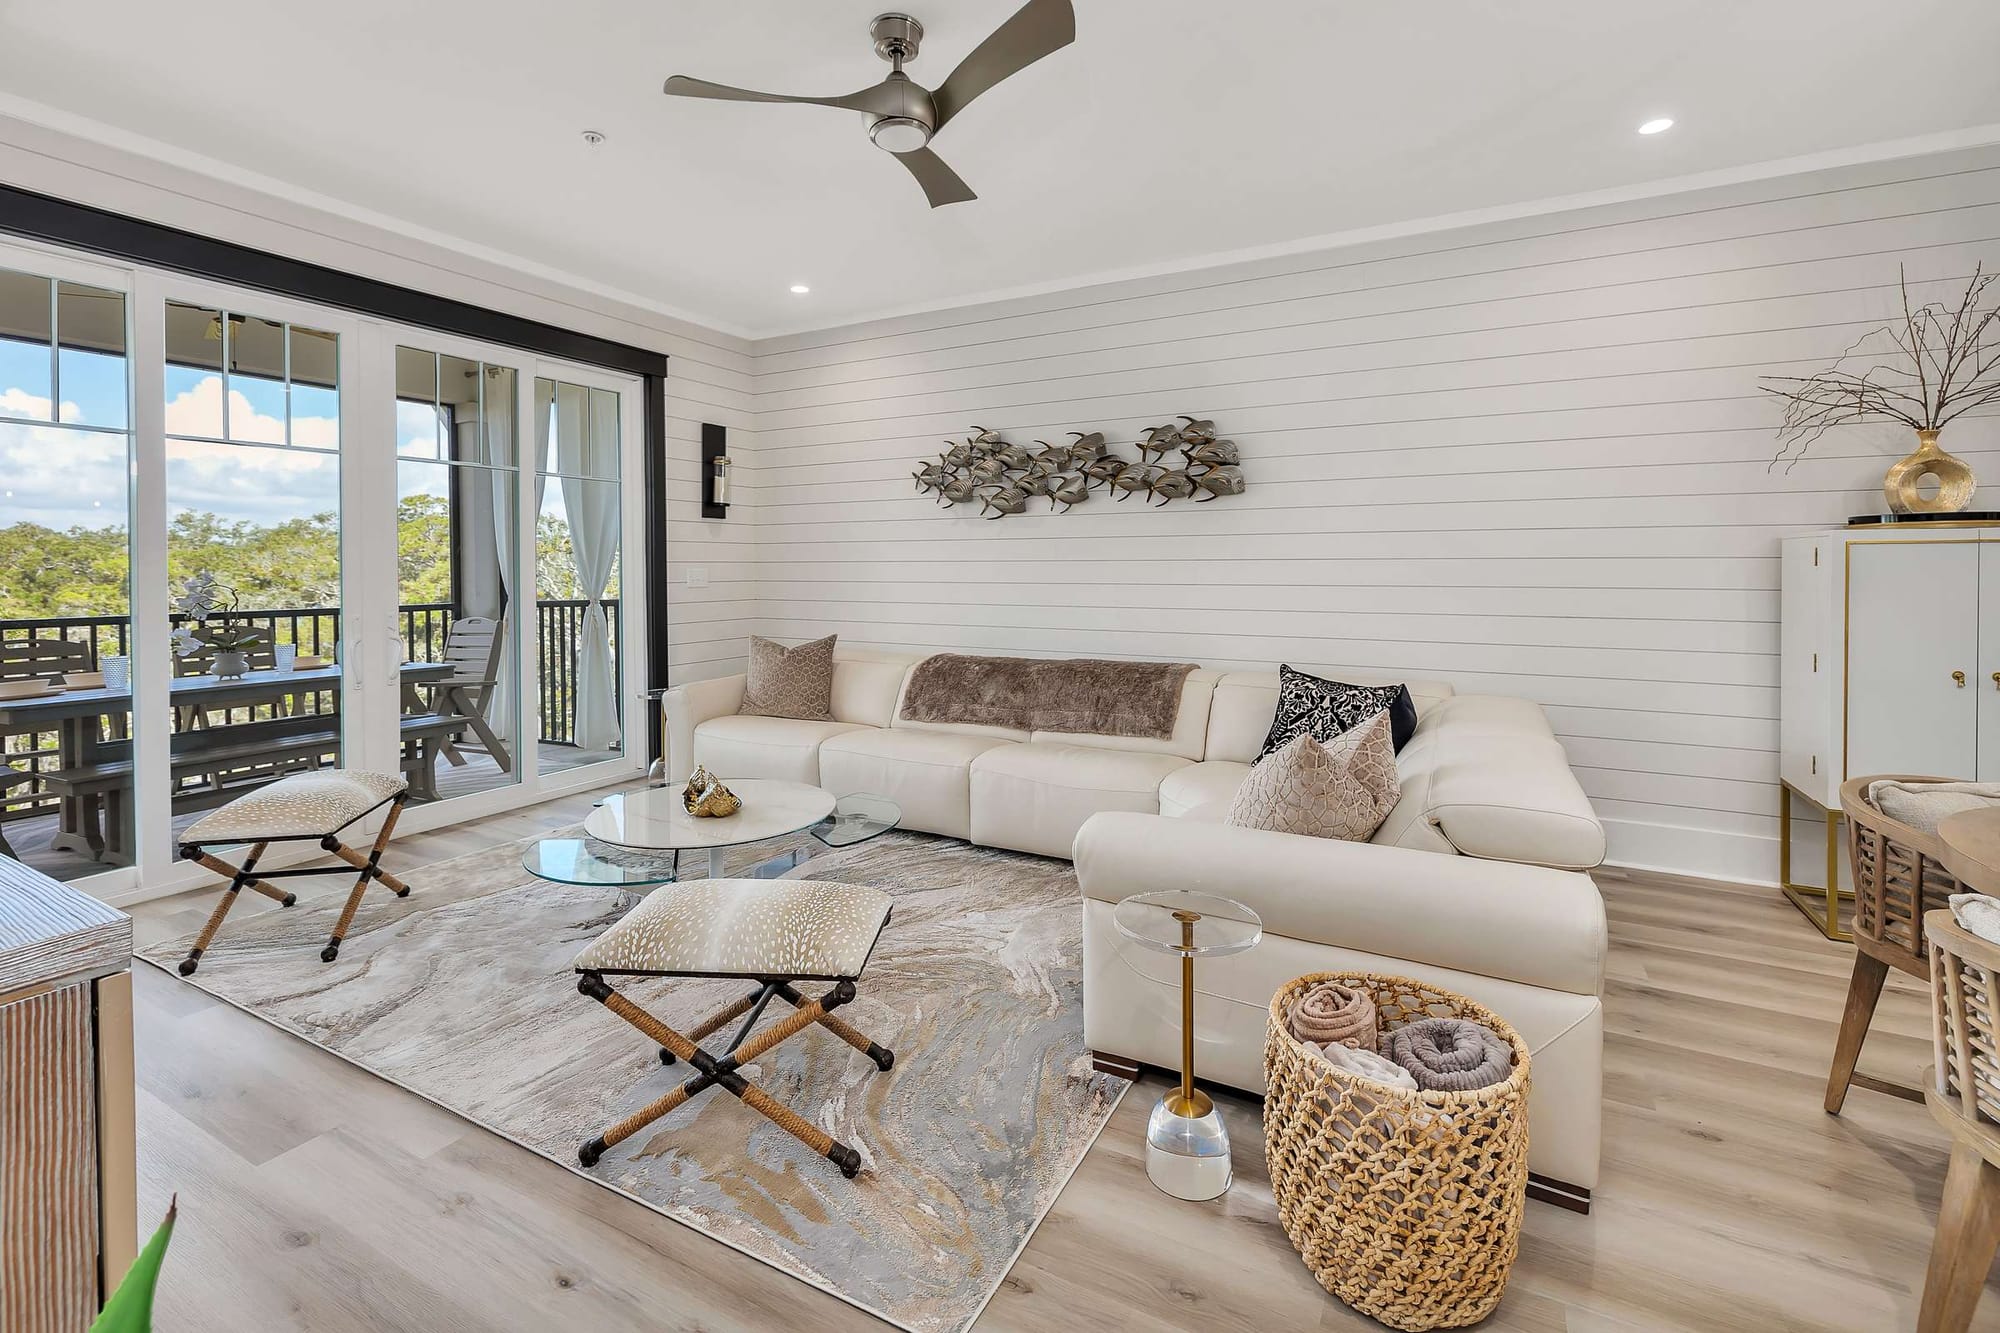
(1939, 362)
(707, 798)
(1005, 477)
(1955, 482)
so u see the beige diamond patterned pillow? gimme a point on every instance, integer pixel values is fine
(1344, 788)
(790, 682)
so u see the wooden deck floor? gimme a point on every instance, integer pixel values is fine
(315, 1196)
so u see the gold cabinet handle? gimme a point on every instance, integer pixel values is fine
(1959, 676)
(1996, 680)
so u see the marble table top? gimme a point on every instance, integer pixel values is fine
(655, 817)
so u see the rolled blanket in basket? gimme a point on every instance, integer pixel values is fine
(1333, 1013)
(1365, 1064)
(1978, 914)
(1924, 805)
(1450, 1054)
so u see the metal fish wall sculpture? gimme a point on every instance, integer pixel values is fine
(1003, 478)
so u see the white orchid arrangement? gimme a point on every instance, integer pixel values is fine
(208, 623)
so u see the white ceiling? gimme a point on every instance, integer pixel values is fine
(1171, 129)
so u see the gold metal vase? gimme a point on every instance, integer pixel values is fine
(1955, 482)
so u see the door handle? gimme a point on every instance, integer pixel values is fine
(1996, 680)
(1959, 677)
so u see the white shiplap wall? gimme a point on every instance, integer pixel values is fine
(1528, 458)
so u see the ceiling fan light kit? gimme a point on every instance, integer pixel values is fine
(903, 115)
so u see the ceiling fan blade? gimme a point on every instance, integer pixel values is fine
(1037, 29)
(941, 184)
(680, 85)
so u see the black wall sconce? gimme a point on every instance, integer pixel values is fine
(714, 471)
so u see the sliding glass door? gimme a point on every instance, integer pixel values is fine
(579, 536)
(253, 443)
(457, 565)
(66, 643)
(243, 537)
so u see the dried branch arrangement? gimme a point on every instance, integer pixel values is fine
(1004, 477)
(1938, 363)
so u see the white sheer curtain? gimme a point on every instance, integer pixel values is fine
(587, 456)
(496, 450)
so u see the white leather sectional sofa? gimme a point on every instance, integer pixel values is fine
(1474, 882)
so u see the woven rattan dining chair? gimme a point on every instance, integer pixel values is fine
(1897, 878)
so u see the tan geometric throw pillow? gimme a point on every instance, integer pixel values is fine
(790, 682)
(1342, 789)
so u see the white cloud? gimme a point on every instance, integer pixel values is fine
(198, 411)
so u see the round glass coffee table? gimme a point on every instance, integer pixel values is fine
(1187, 1146)
(634, 839)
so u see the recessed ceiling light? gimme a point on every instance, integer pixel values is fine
(1657, 126)
(800, 289)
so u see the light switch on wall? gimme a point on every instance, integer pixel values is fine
(697, 576)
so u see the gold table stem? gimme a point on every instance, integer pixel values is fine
(1188, 1102)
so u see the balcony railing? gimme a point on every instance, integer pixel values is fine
(315, 630)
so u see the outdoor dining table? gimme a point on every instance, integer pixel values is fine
(75, 714)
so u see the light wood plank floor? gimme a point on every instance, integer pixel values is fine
(314, 1196)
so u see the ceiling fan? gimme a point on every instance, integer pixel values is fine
(904, 115)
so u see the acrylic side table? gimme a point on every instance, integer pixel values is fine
(1187, 1146)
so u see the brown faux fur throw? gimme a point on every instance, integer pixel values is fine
(1137, 699)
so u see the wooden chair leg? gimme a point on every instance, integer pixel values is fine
(370, 869)
(1968, 1232)
(1864, 989)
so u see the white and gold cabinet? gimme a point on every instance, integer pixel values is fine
(1890, 663)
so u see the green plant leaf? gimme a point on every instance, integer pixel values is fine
(130, 1309)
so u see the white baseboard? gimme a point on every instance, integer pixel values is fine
(1703, 853)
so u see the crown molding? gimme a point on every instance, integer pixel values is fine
(1978, 136)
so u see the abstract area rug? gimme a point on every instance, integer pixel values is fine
(464, 993)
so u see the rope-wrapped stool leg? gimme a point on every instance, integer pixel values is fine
(370, 867)
(239, 877)
(883, 1057)
(722, 1071)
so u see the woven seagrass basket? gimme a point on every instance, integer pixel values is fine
(1897, 877)
(1405, 1205)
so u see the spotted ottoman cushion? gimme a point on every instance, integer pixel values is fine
(745, 927)
(304, 805)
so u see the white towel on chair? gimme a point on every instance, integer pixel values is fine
(1978, 914)
(1924, 805)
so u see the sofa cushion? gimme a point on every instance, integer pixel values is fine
(744, 746)
(789, 682)
(1033, 798)
(1410, 824)
(928, 773)
(1190, 725)
(1196, 788)
(1239, 716)
(1342, 789)
(867, 683)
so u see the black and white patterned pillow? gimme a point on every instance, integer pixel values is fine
(1324, 709)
